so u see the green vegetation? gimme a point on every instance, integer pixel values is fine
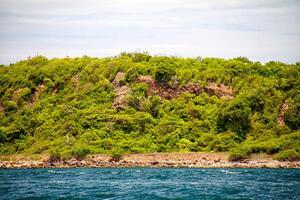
(288, 155)
(65, 107)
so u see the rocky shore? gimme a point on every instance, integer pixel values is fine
(164, 160)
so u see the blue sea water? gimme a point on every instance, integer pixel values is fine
(149, 183)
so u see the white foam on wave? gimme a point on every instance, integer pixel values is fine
(51, 171)
(229, 172)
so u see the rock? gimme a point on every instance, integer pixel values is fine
(154, 163)
(72, 162)
(119, 78)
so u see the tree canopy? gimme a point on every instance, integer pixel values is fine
(65, 107)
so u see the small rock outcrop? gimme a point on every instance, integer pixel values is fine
(2, 108)
(121, 90)
(221, 90)
(167, 92)
(121, 100)
(282, 109)
(119, 78)
(39, 89)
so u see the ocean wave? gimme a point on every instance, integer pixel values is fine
(229, 172)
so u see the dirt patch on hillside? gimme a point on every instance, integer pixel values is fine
(75, 79)
(16, 94)
(122, 91)
(119, 78)
(282, 109)
(167, 92)
(121, 99)
(38, 90)
(154, 88)
(2, 108)
(221, 90)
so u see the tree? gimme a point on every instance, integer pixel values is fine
(163, 74)
(235, 117)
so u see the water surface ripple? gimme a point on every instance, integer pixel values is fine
(149, 183)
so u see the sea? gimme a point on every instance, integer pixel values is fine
(149, 183)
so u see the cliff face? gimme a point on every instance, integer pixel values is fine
(72, 107)
(168, 92)
(165, 91)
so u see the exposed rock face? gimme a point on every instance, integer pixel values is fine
(122, 91)
(2, 108)
(117, 82)
(221, 91)
(165, 91)
(74, 81)
(39, 89)
(282, 109)
(154, 88)
(121, 100)
(168, 92)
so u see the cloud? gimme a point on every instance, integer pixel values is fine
(260, 30)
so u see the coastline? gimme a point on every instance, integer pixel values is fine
(155, 160)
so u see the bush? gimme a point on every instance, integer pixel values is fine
(288, 155)
(25, 94)
(239, 154)
(235, 117)
(184, 145)
(116, 156)
(80, 151)
(292, 116)
(54, 156)
(38, 61)
(164, 74)
(132, 74)
(290, 141)
(268, 147)
(10, 106)
(223, 141)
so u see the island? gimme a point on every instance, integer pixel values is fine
(141, 110)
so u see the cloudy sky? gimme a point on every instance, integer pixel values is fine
(260, 30)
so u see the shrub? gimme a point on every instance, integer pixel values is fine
(132, 74)
(80, 151)
(164, 74)
(25, 94)
(268, 147)
(116, 156)
(38, 61)
(223, 141)
(292, 116)
(184, 144)
(138, 56)
(10, 105)
(235, 117)
(66, 155)
(239, 154)
(290, 141)
(54, 156)
(288, 155)
(8, 149)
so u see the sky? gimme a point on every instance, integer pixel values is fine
(258, 29)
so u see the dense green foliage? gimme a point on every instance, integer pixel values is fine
(64, 107)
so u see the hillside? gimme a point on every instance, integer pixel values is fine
(137, 103)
